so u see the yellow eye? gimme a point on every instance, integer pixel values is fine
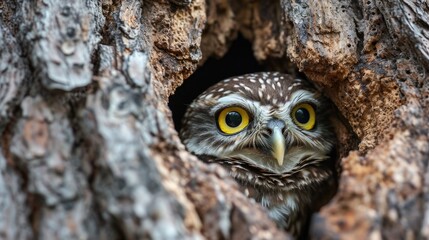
(232, 120)
(304, 116)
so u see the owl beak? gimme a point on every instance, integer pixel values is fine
(278, 145)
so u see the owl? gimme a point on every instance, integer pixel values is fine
(273, 134)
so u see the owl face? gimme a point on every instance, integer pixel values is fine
(267, 122)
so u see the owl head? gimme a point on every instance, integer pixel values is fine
(264, 122)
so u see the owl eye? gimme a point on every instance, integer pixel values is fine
(232, 120)
(304, 116)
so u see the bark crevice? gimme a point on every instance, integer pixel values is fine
(88, 149)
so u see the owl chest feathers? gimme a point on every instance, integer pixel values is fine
(288, 197)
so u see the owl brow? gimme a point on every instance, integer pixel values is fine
(233, 100)
(304, 96)
(297, 97)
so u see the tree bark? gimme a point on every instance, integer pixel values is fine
(89, 151)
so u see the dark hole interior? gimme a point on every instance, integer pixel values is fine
(239, 60)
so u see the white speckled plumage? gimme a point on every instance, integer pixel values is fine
(291, 190)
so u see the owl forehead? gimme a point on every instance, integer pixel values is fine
(265, 88)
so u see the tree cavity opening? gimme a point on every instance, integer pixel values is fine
(238, 60)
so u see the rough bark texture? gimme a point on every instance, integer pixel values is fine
(88, 150)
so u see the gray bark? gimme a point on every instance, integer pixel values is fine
(88, 149)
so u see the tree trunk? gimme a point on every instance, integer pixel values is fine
(89, 151)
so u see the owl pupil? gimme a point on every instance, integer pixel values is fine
(302, 115)
(233, 119)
